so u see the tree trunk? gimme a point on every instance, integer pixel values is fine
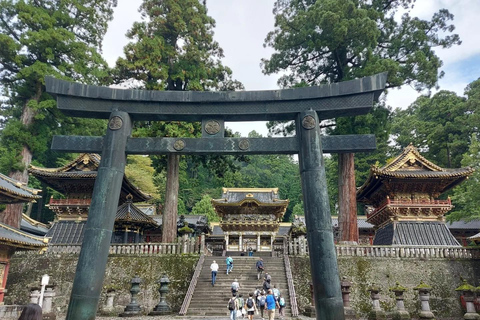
(169, 220)
(347, 202)
(12, 215)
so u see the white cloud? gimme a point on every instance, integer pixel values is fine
(243, 25)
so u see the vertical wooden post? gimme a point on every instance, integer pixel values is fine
(323, 260)
(92, 261)
(169, 219)
(347, 201)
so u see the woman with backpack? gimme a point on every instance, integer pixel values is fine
(250, 306)
(281, 303)
(261, 302)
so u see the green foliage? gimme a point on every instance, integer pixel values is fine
(466, 196)
(140, 172)
(298, 209)
(40, 38)
(204, 207)
(440, 126)
(336, 40)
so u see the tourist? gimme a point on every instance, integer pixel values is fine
(281, 303)
(270, 305)
(233, 307)
(276, 292)
(256, 294)
(235, 286)
(31, 311)
(241, 304)
(266, 285)
(261, 303)
(260, 267)
(250, 252)
(250, 306)
(214, 268)
(229, 262)
(268, 277)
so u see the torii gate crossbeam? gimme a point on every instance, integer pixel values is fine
(307, 106)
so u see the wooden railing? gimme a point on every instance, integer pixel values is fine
(191, 288)
(411, 202)
(291, 287)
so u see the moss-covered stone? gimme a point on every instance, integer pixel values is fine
(26, 271)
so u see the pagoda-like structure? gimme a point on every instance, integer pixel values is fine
(13, 239)
(250, 217)
(75, 181)
(403, 200)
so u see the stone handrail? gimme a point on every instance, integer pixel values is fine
(408, 252)
(291, 287)
(300, 247)
(191, 288)
(189, 246)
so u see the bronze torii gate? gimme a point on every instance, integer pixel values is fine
(307, 106)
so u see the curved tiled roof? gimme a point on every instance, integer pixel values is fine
(85, 166)
(16, 238)
(13, 191)
(261, 196)
(128, 212)
(410, 164)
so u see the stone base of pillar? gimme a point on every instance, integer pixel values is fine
(426, 315)
(49, 316)
(131, 311)
(160, 309)
(471, 316)
(349, 313)
(377, 315)
(310, 312)
(401, 315)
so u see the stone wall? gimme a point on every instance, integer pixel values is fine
(444, 275)
(26, 271)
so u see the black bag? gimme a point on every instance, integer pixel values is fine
(231, 304)
(249, 303)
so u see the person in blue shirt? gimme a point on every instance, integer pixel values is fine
(229, 262)
(270, 305)
(260, 267)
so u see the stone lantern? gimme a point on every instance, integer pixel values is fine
(468, 295)
(401, 312)
(162, 307)
(345, 286)
(424, 296)
(377, 312)
(133, 308)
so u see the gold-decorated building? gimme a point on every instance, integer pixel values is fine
(250, 218)
(403, 200)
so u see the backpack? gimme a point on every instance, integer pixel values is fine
(249, 303)
(261, 301)
(282, 302)
(231, 304)
(240, 303)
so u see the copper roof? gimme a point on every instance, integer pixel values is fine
(13, 191)
(261, 196)
(13, 237)
(411, 165)
(84, 167)
(128, 212)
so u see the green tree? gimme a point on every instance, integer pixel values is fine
(173, 49)
(40, 38)
(327, 41)
(440, 126)
(466, 196)
(204, 207)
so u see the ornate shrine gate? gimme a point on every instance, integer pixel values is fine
(307, 106)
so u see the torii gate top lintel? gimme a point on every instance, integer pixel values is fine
(331, 100)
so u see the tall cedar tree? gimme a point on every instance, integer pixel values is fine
(173, 49)
(40, 38)
(325, 41)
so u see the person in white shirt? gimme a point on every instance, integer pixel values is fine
(214, 268)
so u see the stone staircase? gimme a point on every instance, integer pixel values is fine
(212, 301)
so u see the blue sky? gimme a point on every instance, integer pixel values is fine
(243, 24)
